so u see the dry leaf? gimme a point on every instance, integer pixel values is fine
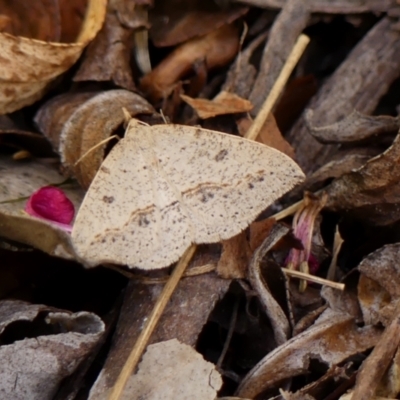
(33, 367)
(330, 342)
(176, 21)
(170, 371)
(108, 57)
(217, 48)
(184, 318)
(224, 103)
(164, 187)
(374, 367)
(332, 6)
(77, 123)
(355, 127)
(277, 317)
(38, 20)
(370, 193)
(30, 65)
(18, 180)
(379, 285)
(234, 258)
(269, 135)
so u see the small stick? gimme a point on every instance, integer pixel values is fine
(144, 336)
(313, 278)
(279, 84)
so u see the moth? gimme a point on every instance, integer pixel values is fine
(164, 187)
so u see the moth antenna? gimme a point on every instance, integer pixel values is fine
(95, 147)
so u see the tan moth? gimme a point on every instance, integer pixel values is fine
(164, 187)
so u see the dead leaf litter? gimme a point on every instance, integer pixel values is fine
(200, 200)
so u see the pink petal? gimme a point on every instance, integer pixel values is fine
(52, 204)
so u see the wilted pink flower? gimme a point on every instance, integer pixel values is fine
(303, 226)
(51, 203)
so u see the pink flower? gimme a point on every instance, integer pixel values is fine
(51, 203)
(303, 226)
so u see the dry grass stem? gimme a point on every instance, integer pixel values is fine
(279, 84)
(144, 336)
(313, 278)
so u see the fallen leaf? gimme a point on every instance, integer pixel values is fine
(277, 317)
(35, 366)
(234, 258)
(370, 193)
(40, 20)
(379, 285)
(355, 127)
(108, 56)
(232, 170)
(224, 103)
(172, 370)
(176, 21)
(77, 123)
(331, 341)
(217, 48)
(374, 367)
(25, 78)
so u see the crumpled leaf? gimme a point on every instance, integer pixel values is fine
(277, 317)
(30, 65)
(171, 370)
(374, 367)
(18, 180)
(78, 122)
(334, 338)
(34, 366)
(379, 284)
(176, 21)
(353, 128)
(223, 103)
(108, 57)
(217, 48)
(371, 193)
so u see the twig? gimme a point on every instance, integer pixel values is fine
(279, 84)
(313, 278)
(144, 336)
